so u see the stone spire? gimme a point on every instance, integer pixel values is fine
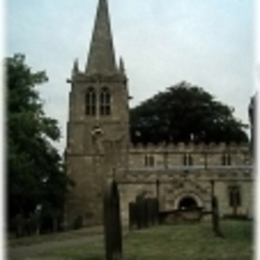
(101, 58)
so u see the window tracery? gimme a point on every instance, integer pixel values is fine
(90, 102)
(105, 102)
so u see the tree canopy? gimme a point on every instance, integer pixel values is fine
(35, 172)
(185, 113)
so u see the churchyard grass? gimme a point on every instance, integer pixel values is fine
(169, 242)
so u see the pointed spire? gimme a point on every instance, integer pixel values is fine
(121, 66)
(101, 58)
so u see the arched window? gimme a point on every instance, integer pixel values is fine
(105, 100)
(90, 102)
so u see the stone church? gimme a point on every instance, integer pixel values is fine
(99, 148)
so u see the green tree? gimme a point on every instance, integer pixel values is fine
(185, 113)
(252, 113)
(35, 172)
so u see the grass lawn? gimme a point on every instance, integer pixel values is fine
(175, 242)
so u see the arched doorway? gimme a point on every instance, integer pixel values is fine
(187, 202)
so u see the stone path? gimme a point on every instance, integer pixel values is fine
(26, 252)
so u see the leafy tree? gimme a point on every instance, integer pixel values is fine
(34, 167)
(185, 113)
(251, 113)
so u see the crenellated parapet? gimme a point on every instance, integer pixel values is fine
(191, 155)
(188, 147)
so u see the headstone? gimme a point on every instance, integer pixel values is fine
(152, 211)
(149, 212)
(112, 222)
(132, 215)
(215, 217)
(141, 212)
(144, 212)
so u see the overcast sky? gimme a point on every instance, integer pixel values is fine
(208, 43)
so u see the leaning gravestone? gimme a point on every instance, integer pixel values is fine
(143, 212)
(215, 217)
(112, 222)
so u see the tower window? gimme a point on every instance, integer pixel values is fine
(105, 102)
(90, 102)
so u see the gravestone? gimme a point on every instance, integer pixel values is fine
(155, 205)
(112, 222)
(149, 212)
(132, 215)
(144, 212)
(152, 211)
(215, 217)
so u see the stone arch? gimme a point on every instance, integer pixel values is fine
(187, 195)
(187, 202)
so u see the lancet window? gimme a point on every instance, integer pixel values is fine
(90, 102)
(105, 102)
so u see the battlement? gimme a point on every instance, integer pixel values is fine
(189, 147)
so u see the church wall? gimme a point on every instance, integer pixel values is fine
(175, 185)
(173, 155)
(87, 189)
(93, 159)
(128, 193)
(247, 199)
(222, 193)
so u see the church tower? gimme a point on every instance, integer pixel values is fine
(98, 125)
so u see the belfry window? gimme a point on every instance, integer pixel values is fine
(90, 102)
(105, 102)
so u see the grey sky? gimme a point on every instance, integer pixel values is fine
(208, 43)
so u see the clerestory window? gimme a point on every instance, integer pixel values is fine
(226, 159)
(149, 161)
(187, 159)
(105, 102)
(90, 102)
